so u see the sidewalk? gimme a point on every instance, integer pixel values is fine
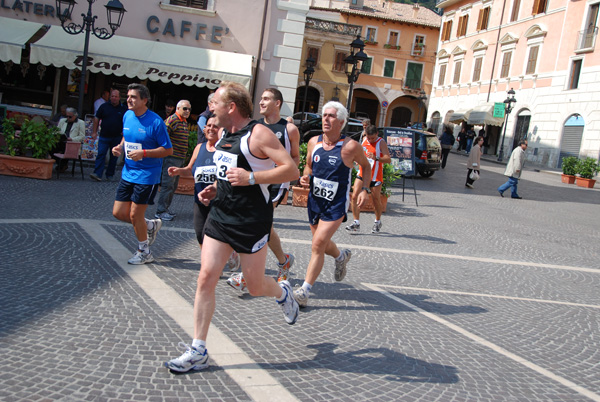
(494, 159)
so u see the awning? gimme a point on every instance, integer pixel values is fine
(143, 59)
(484, 114)
(14, 34)
(459, 116)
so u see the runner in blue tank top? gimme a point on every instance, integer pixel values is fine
(329, 160)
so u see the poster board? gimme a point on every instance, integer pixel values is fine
(89, 147)
(401, 145)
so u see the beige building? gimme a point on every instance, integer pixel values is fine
(400, 41)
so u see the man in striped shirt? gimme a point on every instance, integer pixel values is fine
(178, 129)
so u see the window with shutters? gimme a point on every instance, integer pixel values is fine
(514, 15)
(462, 25)
(366, 66)
(414, 74)
(532, 59)
(446, 30)
(371, 35)
(484, 18)
(393, 38)
(388, 68)
(338, 64)
(477, 69)
(505, 69)
(575, 72)
(442, 75)
(457, 67)
(314, 53)
(201, 4)
(539, 7)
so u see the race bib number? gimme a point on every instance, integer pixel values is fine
(205, 174)
(224, 162)
(325, 189)
(131, 146)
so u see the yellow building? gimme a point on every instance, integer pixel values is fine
(400, 41)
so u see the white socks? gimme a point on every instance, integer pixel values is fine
(197, 343)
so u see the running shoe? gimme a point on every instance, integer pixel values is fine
(238, 282)
(376, 227)
(354, 228)
(141, 258)
(301, 296)
(234, 262)
(154, 231)
(192, 359)
(340, 266)
(284, 269)
(289, 305)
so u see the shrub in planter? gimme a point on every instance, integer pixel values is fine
(35, 140)
(586, 169)
(569, 168)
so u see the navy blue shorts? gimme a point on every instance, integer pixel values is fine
(141, 194)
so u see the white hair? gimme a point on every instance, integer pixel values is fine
(181, 102)
(341, 112)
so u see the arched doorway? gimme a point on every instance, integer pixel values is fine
(570, 143)
(312, 100)
(401, 116)
(522, 127)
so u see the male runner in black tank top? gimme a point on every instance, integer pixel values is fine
(289, 137)
(255, 148)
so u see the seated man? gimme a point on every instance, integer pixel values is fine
(72, 129)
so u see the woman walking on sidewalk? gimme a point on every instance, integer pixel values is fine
(473, 163)
(447, 142)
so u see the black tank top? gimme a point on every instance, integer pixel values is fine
(240, 205)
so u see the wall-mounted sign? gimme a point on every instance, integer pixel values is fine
(499, 109)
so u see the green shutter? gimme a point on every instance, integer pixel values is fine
(414, 73)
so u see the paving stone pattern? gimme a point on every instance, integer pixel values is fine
(75, 327)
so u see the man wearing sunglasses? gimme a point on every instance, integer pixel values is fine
(179, 131)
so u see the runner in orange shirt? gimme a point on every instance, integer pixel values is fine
(377, 153)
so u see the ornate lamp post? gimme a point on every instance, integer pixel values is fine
(422, 98)
(510, 99)
(353, 68)
(114, 11)
(308, 74)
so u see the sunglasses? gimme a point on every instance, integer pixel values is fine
(185, 109)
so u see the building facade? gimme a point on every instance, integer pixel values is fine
(546, 51)
(400, 41)
(178, 48)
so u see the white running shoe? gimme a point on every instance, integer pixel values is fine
(289, 305)
(192, 359)
(340, 266)
(234, 262)
(154, 231)
(301, 296)
(353, 228)
(376, 227)
(284, 269)
(141, 258)
(238, 282)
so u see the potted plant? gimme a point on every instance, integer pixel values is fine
(569, 164)
(390, 175)
(27, 151)
(586, 169)
(185, 185)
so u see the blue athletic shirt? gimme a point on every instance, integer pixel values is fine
(204, 170)
(147, 131)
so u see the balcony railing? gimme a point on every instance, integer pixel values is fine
(331, 26)
(586, 39)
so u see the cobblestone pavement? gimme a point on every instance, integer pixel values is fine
(467, 297)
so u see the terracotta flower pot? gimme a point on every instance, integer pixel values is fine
(299, 196)
(587, 183)
(26, 167)
(185, 186)
(567, 178)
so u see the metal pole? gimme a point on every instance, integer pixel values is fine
(349, 103)
(304, 103)
(87, 20)
(501, 151)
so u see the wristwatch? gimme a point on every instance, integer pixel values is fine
(367, 189)
(251, 180)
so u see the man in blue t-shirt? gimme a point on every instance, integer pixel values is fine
(145, 142)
